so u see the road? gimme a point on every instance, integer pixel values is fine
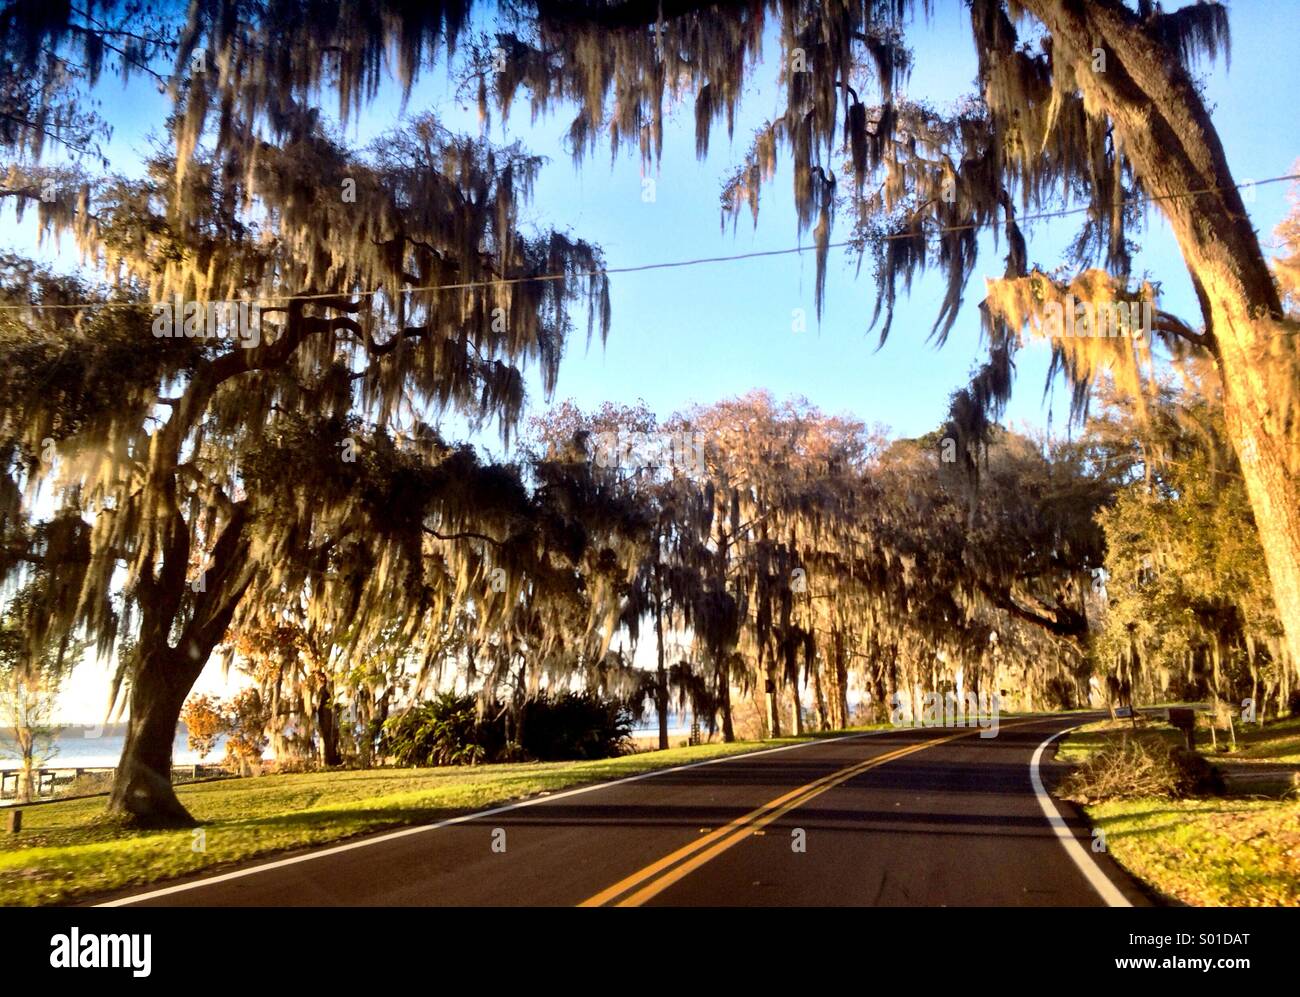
(923, 817)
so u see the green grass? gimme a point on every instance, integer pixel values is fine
(1278, 743)
(1208, 853)
(1219, 851)
(66, 851)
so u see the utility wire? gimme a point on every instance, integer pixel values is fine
(673, 264)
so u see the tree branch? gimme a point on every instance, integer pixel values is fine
(464, 535)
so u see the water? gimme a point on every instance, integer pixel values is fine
(679, 725)
(646, 730)
(77, 748)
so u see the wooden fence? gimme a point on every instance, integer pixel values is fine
(49, 781)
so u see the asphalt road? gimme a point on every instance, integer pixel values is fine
(924, 817)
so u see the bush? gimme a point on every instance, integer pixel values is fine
(1137, 766)
(575, 725)
(447, 730)
(1060, 693)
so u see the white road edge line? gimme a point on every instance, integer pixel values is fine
(465, 818)
(1092, 872)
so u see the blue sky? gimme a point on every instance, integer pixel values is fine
(703, 333)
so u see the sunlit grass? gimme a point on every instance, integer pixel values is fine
(1213, 853)
(66, 851)
(1277, 743)
(1218, 851)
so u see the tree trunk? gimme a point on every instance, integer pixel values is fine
(841, 681)
(163, 676)
(819, 697)
(661, 676)
(1163, 127)
(519, 710)
(1274, 495)
(890, 671)
(26, 791)
(327, 723)
(724, 703)
(364, 707)
(381, 718)
(661, 702)
(771, 699)
(142, 786)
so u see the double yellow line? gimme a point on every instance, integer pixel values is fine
(649, 882)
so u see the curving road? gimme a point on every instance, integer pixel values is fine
(905, 817)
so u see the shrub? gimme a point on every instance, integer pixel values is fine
(1135, 766)
(575, 725)
(246, 718)
(1060, 693)
(447, 730)
(205, 721)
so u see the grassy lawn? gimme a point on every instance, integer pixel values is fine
(65, 851)
(1277, 744)
(1217, 851)
(1208, 853)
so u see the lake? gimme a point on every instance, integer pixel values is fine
(100, 746)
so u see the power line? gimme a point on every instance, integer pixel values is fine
(674, 264)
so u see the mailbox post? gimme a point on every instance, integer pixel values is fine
(1185, 720)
